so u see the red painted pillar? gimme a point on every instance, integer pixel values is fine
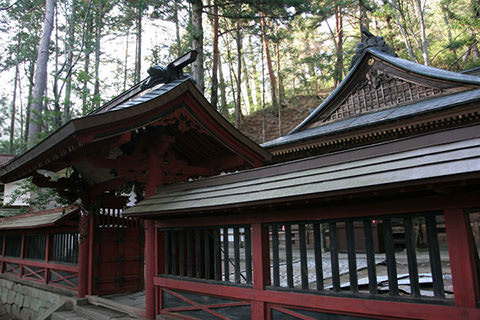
(149, 269)
(261, 267)
(22, 255)
(462, 260)
(91, 242)
(155, 179)
(83, 255)
(47, 255)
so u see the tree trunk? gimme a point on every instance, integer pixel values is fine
(310, 66)
(251, 105)
(449, 31)
(138, 51)
(125, 62)
(222, 86)
(424, 35)
(40, 83)
(98, 52)
(22, 114)
(231, 73)
(197, 43)
(363, 21)
(69, 63)
(281, 93)
(256, 80)
(474, 47)
(339, 48)
(214, 89)
(12, 117)
(31, 75)
(269, 65)
(177, 25)
(238, 105)
(57, 117)
(476, 15)
(402, 31)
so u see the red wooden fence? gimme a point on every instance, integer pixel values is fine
(191, 295)
(52, 258)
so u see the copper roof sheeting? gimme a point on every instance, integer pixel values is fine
(37, 220)
(319, 176)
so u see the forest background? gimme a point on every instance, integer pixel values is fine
(63, 59)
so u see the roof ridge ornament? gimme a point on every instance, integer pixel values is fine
(371, 41)
(173, 71)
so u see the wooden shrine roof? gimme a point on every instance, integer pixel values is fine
(381, 116)
(381, 89)
(414, 161)
(38, 219)
(178, 102)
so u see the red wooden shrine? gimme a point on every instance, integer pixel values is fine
(234, 230)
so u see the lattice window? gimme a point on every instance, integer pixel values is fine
(213, 253)
(65, 247)
(402, 256)
(389, 93)
(14, 245)
(35, 246)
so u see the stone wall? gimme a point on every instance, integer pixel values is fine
(26, 302)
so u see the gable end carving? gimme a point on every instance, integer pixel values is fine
(379, 91)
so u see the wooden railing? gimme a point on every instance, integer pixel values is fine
(220, 253)
(50, 257)
(415, 265)
(386, 250)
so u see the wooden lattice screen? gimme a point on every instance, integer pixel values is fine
(383, 93)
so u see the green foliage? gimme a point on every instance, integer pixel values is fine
(303, 31)
(39, 198)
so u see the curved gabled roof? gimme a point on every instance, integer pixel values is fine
(379, 117)
(405, 65)
(127, 113)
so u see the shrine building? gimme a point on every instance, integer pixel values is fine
(368, 209)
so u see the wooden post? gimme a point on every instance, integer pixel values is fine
(462, 261)
(47, 256)
(149, 269)
(83, 255)
(261, 267)
(91, 241)
(22, 254)
(155, 178)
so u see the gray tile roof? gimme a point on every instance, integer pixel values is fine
(379, 117)
(399, 62)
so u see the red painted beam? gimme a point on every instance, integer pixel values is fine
(41, 264)
(462, 262)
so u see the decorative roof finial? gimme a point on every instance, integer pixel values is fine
(371, 41)
(173, 71)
